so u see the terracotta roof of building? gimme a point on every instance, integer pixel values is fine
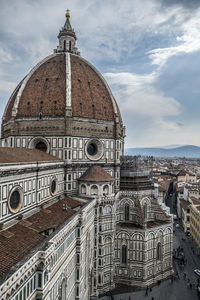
(182, 173)
(96, 173)
(45, 91)
(50, 217)
(13, 155)
(19, 240)
(15, 243)
(164, 186)
(195, 201)
(184, 204)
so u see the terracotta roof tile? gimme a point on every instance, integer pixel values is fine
(185, 204)
(19, 240)
(195, 201)
(96, 173)
(53, 216)
(45, 91)
(90, 96)
(73, 203)
(164, 186)
(12, 155)
(182, 173)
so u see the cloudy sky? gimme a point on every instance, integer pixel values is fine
(148, 51)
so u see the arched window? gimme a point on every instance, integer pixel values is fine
(77, 291)
(126, 212)
(64, 44)
(108, 209)
(83, 189)
(77, 274)
(108, 250)
(70, 46)
(99, 279)
(63, 290)
(78, 258)
(94, 190)
(145, 210)
(158, 251)
(45, 277)
(106, 190)
(124, 254)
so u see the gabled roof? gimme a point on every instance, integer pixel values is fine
(13, 155)
(96, 173)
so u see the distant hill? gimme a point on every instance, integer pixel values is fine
(183, 151)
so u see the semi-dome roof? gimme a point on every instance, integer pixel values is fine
(58, 79)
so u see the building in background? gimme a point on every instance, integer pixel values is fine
(195, 227)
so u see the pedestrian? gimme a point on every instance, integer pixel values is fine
(150, 289)
(129, 298)
(152, 298)
(172, 279)
(147, 289)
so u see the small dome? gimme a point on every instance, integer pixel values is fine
(96, 173)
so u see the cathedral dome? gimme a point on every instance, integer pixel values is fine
(62, 80)
(63, 95)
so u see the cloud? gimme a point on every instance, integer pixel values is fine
(191, 4)
(187, 42)
(7, 86)
(137, 96)
(5, 56)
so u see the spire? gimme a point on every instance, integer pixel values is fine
(67, 25)
(67, 37)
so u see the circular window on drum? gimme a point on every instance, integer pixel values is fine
(53, 186)
(15, 199)
(94, 149)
